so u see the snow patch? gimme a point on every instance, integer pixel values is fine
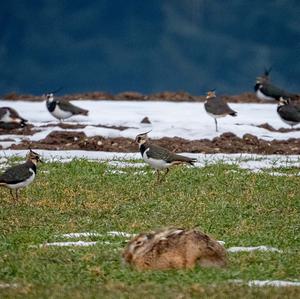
(186, 120)
(266, 283)
(255, 248)
(65, 244)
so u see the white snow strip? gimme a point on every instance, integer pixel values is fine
(120, 234)
(186, 120)
(94, 234)
(65, 244)
(273, 283)
(246, 161)
(8, 285)
(78, 235)
(266, 283)
(255, 248)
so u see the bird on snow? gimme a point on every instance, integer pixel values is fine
(62, 109)
(10, 119)
(216, 107)
(288, 111)
(266, 91)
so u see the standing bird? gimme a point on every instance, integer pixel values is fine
(10, 119)
(174, 248)
(266, 91)
(217, 107)
(21, 175)
(62, 109)
(288, 111)
(158, 157)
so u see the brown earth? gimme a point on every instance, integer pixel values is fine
(180, 96)
(226, 143)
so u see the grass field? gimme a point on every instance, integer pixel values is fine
(231, 204)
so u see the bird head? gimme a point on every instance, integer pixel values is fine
(265, 77)
(49, 97)
(142, 138)
(283, 101)
(33, 157)
(211, 94)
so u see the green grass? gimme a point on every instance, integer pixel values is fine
(233, 205)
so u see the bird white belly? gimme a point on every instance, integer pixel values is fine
(24, 183)
(261, 96)
(6, 118)
(61, 114)
(156, 164)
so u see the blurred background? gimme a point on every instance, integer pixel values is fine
(147, 46)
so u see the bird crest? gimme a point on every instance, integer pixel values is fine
(211, 94)
(142, 138)
(33, 156)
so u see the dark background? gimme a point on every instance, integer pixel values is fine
(147, 46)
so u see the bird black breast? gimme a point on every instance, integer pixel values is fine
(143, 147)
(31, 165)
(256, 87)
(51, 106)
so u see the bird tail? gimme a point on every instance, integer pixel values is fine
(24, 122)
(84, 112)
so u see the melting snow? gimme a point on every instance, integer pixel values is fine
(266, 283)
(121, 160)
(255, 248)
(168, 119)
(63, 244)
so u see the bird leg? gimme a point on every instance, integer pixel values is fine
(11, 193)
(216, 124)
(17, 195)
(163, 177)
(158, 176)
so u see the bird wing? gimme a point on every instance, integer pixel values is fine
(160, 153)
(290, 113)
(274, 91)
(218, 106)
(67, 106)
(16, 174)
(2, 112)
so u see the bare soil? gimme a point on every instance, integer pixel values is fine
(226, 143)
(181, 96)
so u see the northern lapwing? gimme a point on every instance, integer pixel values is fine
(158, 157)
(10, 119)
(62, 109)
(216, 107)
(266, 91)
(21, 175)
(288, 111)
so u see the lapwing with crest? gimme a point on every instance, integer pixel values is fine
(10, 119)
(20, 176)
(289, 111)
(265, 90)
(158, 157)
(62, 109)
(217, 107)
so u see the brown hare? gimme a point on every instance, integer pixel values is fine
(174, 248)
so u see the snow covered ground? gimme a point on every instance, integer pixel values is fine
(255, 163)
(186, 120)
